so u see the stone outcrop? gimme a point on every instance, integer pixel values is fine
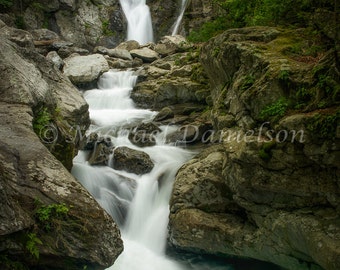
(173, 80)
(269, 189)
(40, 110)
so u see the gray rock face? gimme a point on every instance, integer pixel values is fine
(31, 178)
(85, 23)
(274, 199)
(85, 69)
(131, 160)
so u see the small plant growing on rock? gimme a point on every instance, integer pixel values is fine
(47, 214)
(275, 110)
(31, 244)
(106, 28)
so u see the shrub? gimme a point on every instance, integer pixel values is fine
(6, 3)
(240, 13)
(275, 110)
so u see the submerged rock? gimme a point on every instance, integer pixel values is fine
(144, 134)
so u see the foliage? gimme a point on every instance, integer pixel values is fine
(31, 244)
(46, 214)
(6, 3)
(302, 97)
(323, 126)
(240, 13)
(42, 118)
(209, 29)
(275, 110)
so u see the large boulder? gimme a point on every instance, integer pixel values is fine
(85, 69)
(45, 213)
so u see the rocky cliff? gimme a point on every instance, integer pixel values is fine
(268, 187)
(47, 219)
(86, 23)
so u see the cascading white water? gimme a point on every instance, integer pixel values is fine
(138, 16)
(139, 204)
(180, 17)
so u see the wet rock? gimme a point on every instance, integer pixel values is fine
(164, 114)
(131, 160)
(144, 134)
(100, 154)
(89, 142)
(190, 133)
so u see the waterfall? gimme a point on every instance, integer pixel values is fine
(139, 20)
(180, 17)
(138, 204)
